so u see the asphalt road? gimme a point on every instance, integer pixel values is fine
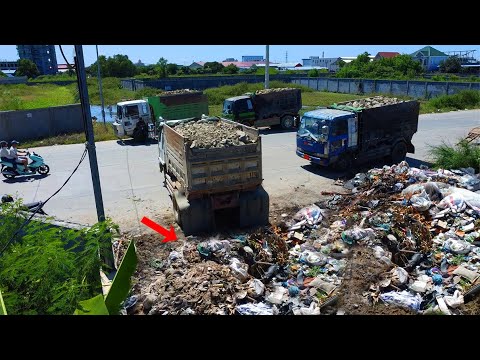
(132, 185)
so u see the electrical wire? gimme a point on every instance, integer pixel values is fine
(64, 58)
(42, 204)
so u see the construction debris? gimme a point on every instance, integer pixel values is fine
(372, 102)
(344, 254)
(210, 133)
(268, 91)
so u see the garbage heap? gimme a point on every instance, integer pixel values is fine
(409, 236)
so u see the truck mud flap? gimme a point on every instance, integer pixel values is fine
(254, 207)
(410, 148)
(195, 216)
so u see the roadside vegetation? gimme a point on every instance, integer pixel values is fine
(47, 271)
(461, 155)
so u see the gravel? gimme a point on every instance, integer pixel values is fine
(372, 102)
(213, 134)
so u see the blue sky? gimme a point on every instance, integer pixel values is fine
(186, 54)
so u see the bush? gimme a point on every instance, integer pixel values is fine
(462, 100)
(462, 155)
(48, 271)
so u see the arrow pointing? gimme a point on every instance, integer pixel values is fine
(169, 234)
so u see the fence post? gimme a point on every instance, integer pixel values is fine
(375, 86)
(390, 87)
(349, 82)
(338, 85)
(408, 86)
(447, 87)
(318, 80)
(426, 90)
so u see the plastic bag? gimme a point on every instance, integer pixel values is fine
(313, 258)
(353, 235)
(455, 300)
(323, 285)
(254, 309)
(239, 269)
(255, 288)
(399, 276)
(312, 214)
(421, 202)
(403, 299)
(312, 310)
(456, 198)
(213, 246)
(471, 182)
(278, 296)
(457, 246)
(381, 254)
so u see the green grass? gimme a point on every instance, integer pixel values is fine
(101, 133)
(24, 97)
(465, 99)
(462, 155)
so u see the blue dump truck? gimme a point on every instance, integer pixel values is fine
(359, 131)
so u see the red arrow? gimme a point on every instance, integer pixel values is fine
(169, 235)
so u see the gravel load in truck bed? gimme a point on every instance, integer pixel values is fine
(268, 91)
(213, 134)
(181, 91)
(373, 102)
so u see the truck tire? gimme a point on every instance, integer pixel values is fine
(254, 208)
(287, 122)
(343, 163)
(399, 152)
(140, 133)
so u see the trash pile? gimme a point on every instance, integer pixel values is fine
(371, 102)
(211, 133)
(403, 239)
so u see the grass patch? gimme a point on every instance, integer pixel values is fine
(101, 133)
(462, 155)
(24, 97)
(465, 99)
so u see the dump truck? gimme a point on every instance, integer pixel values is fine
(358, 131)
(139, 118)
(269, 107)
(212, 168)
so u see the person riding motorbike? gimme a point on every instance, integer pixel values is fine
(18, 156)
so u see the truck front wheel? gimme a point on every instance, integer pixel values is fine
(399, 152)
(287, 122)
(343, 163)
(140, 133)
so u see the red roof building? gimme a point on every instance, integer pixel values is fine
(386, 55)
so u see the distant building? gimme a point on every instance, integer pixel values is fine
(8, 66)
(386, 55)
(247, 58)
(139, 63)
(320, 62)
(196, 65)
(429, 57)
(230, 59)
(62, 68)
(42, 55)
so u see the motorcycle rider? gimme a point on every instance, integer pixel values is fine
(18, 156)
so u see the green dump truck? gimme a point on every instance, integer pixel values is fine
(139, 118)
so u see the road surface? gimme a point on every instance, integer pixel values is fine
(132, 185)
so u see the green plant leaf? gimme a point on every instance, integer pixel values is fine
(93, 306)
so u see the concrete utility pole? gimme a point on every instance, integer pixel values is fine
(100, 88)
(267, 67)
(87, 118)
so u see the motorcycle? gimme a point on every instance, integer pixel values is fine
(36, 166)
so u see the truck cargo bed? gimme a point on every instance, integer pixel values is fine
(201, 171)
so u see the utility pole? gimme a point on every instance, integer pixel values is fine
(100, 88)
(267, 67)
(87, 119)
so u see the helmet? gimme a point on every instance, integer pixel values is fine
(15, 142)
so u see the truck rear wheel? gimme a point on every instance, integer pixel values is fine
(287, 122)
(140, 133)
(399, 152)
(343, 163)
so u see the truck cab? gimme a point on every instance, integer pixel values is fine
(325, 134)
(133, 118)
(239, 109)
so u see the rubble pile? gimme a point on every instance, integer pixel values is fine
(268, 91)
(372, 102)
(208, 133)
(402, 240)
